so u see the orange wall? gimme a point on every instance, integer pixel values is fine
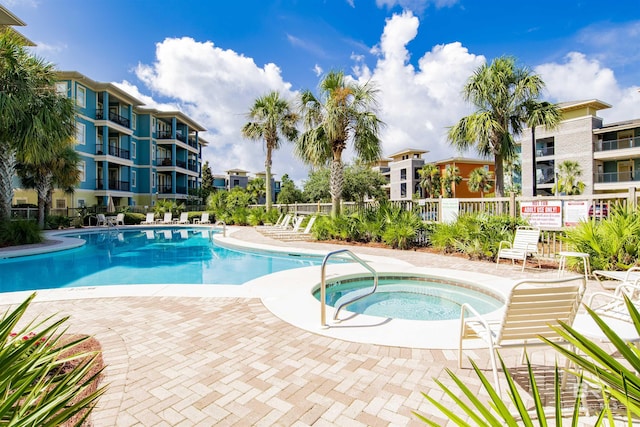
(461, 190)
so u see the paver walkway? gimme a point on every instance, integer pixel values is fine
(178, 361)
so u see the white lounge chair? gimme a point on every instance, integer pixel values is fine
(632, 275)
(168, 218)
(204, 219)
(525, 244)
(532, 307)
(151, 219)
(612, 308)
(295, 233)
(184, 218)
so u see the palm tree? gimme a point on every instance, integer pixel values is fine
(450, 177)
(344, 111)
(479, 181)
(60, 171)
(568, 183)
(272, 119)
(430, 181)
(540, 114)
(256, 187)
(33, 117)
(500, 91)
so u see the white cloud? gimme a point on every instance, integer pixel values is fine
(579, 77)
(148, 101)
(419, 104)
(216, 87)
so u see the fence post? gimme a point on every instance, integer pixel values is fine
(512, 205)
(632, 199)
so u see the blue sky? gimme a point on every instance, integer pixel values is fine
(211, 59)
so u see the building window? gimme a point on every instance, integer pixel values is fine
(62, 89)
(134, 120)
(81, 132)
(403, 189)
(153, 180)
(61, 204)
(153, 152)
(403, 174)
(81, 203)
(82, 168)
(133, 178)
(81, 96)
(416, 173)
(133, 150)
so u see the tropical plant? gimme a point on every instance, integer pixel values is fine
(500, 92)
(60, 171)
(617, 381)
(479, 181)
(450, 178)
(20, 232)
(344, 111)
(612, 243)
(540, 114)
(289, 193)
(167, 205)
(272, 119)
(33, 117)
(44, 382)
(569, 173)
(256, 189)
(430, 180)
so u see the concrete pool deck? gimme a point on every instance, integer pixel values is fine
(204, 355)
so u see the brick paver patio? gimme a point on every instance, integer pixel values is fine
(180, 361)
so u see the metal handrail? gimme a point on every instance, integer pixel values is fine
(224, 227)
(323, 283)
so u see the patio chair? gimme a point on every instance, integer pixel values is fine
(184, 218)
(612, 308)
(632, 275)
(168, 218)
(531, 308)
(150, 219)
(102, 220)
(119, 219)
(525, 244)
(203, 220)
(295, 233)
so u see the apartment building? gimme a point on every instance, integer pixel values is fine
(608, 154)
(404, 179)
(465, 167)
(130, 155)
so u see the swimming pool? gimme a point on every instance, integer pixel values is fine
(147, 256)
(411, 298)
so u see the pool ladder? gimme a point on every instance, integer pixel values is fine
(346, 299)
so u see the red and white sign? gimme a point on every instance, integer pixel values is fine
(545, 214)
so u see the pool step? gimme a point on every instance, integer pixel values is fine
(350, 298)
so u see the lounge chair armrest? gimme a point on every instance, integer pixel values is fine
(532, 248)
(508, 245)
(628, 288)
(608, 296)
(631, 270)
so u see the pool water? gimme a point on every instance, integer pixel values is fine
(412, 299)
(153, 256)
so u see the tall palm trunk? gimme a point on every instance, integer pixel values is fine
(336, 183)
(267, 185)
(43, 187)
(499, 166)
(7, 172)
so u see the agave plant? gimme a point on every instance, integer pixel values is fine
(39, 383)
(617, 380)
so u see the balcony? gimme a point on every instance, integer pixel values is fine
(192, 142)
(164, 134)
(113, 185)
(181, 190)
(181, 137)
(192, 166)
(545, 151)
(613, 177)
(113, 117)
(165, 189)
(165, 161)
(113, 151)
(617, 144)
(181, 164)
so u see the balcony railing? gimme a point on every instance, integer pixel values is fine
(192, 142)
(544, 151)
(181, 137)
(617, 144)
(181, 164)
(164, 134)
(613, 177)
(193, 166)
(166, 161)
(165, 189)
(113, 117)
(113, 151)
(113, 185)
(181, 190)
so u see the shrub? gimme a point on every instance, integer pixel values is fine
(257, 216)
(41, 383)
(133, 218)
(57, 221)
(20, 232)
(399, 236)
